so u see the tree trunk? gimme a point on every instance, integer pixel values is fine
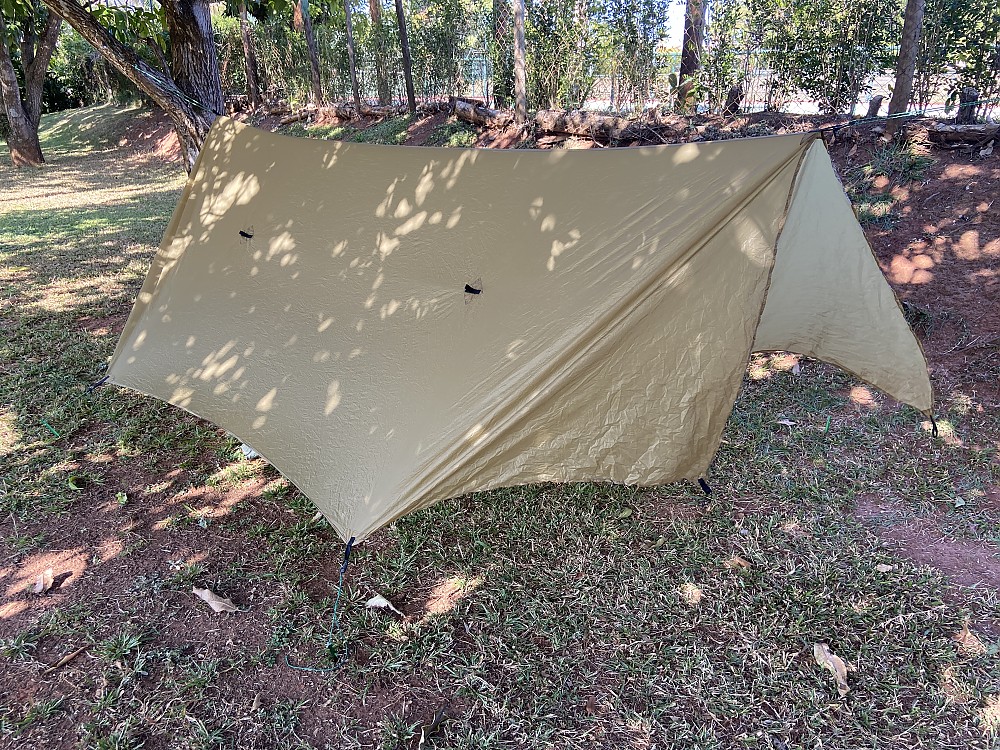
(24, 113)
(733, 101)
(25, 150)
(967, 99)
(520, 72)
(304, 21)
(906, 63)
(191, 110)
(874, 106)
(694, 35)
(192, 52)
(349, 27)
(249, 59)
(381, 81)
(404, 43)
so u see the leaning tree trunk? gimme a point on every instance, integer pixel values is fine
(192, 102)
(304, 21)
(24, 115)
(249, 59)
(906, 63)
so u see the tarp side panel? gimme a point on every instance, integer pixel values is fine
(828, 297)
(648, 401)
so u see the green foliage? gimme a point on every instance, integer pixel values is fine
(560, 53)
(631, 30)
(963, 37)
(898, 164)
(828, 50)
(85, 77)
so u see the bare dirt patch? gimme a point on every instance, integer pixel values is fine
(153, 135)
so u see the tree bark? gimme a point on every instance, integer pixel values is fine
(874, 106)
(967, 99)
(304, 21)
(520, 72)
(24, 113)
(906, 63)
(249, 59)
(381, 80)
(694, 35)
(350, 54)
(404, 43)
(733, 101)
(191, 110)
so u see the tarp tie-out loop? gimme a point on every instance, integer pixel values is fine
(934, 428)
(704, 486)
(334, 624)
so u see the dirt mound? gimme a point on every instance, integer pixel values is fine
(152, 134)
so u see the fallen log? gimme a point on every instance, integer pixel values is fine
(946, 135)
(381, 111)
(583, 123)
(295, 117)
(480, 115)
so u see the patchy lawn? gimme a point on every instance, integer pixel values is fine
(545, 616)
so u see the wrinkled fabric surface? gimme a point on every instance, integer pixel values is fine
(394, 326)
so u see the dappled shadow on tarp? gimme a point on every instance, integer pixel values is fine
(312, 298)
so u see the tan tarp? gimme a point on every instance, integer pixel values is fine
(318, 300)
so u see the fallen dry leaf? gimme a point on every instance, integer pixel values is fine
(44, 582)
(380, 602)
(428, 729)
(736, 563)
(216, 602)
(591, 706)
(826, 658)
(968, 642)
(883, 568)
(66, 660)
(797, 368)
(786, 422)
(691, 594)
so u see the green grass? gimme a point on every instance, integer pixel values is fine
(543, 616)
(454, 134)
(390, 131)
(326, 132)
(898, 164)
